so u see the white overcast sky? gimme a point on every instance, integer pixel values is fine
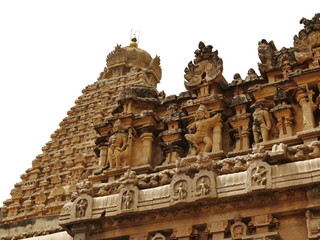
(51, 50)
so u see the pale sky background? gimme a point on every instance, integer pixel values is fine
(51, 50)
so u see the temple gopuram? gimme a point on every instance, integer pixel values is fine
(237, 160)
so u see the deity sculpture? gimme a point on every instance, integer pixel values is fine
(81, 208)
(204, 187)
(180, 192)
(117, 145)
(200, 131)
(113, 154)
(261, 124)
(127, 199)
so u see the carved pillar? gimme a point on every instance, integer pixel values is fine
(147, 139)
(284, 124)
(245, 138)
(304, 98)
(217, 137)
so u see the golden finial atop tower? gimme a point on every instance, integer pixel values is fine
(134, 41)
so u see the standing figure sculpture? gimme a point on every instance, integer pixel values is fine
(127, 199)
(117, 145)
(200, 131)
(261, 124)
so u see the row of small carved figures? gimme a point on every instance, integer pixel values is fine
(224, 166)
(279, 153)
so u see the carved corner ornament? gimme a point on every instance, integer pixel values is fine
(258, 176)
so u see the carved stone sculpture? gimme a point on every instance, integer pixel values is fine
(207, 66)
(238, 229)
(180, 190)
(261, 124)
(81, 208)
(266, 52)
(127, 199)
(117, 145)
(115, 153)
(200, 137)
(203, 186)
(258, 176)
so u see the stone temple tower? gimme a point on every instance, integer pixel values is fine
(237, 160)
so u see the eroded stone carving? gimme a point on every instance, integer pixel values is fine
(238, 229)
(81, 207)
(204, 184)
(258, 176)
(180, 190)
(266, 53)
(128, 198)
(307, 38)
(200, 136)
(207, 66)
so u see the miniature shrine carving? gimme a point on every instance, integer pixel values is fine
(238, 229)
(200, 136)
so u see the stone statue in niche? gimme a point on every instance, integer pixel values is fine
(127, 199)
(203, 186)
(261, 124)
(180, 190)
(117, 145)
(81, 208)
(200, 131)
(114, 154)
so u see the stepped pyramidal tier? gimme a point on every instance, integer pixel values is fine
(238, 160)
